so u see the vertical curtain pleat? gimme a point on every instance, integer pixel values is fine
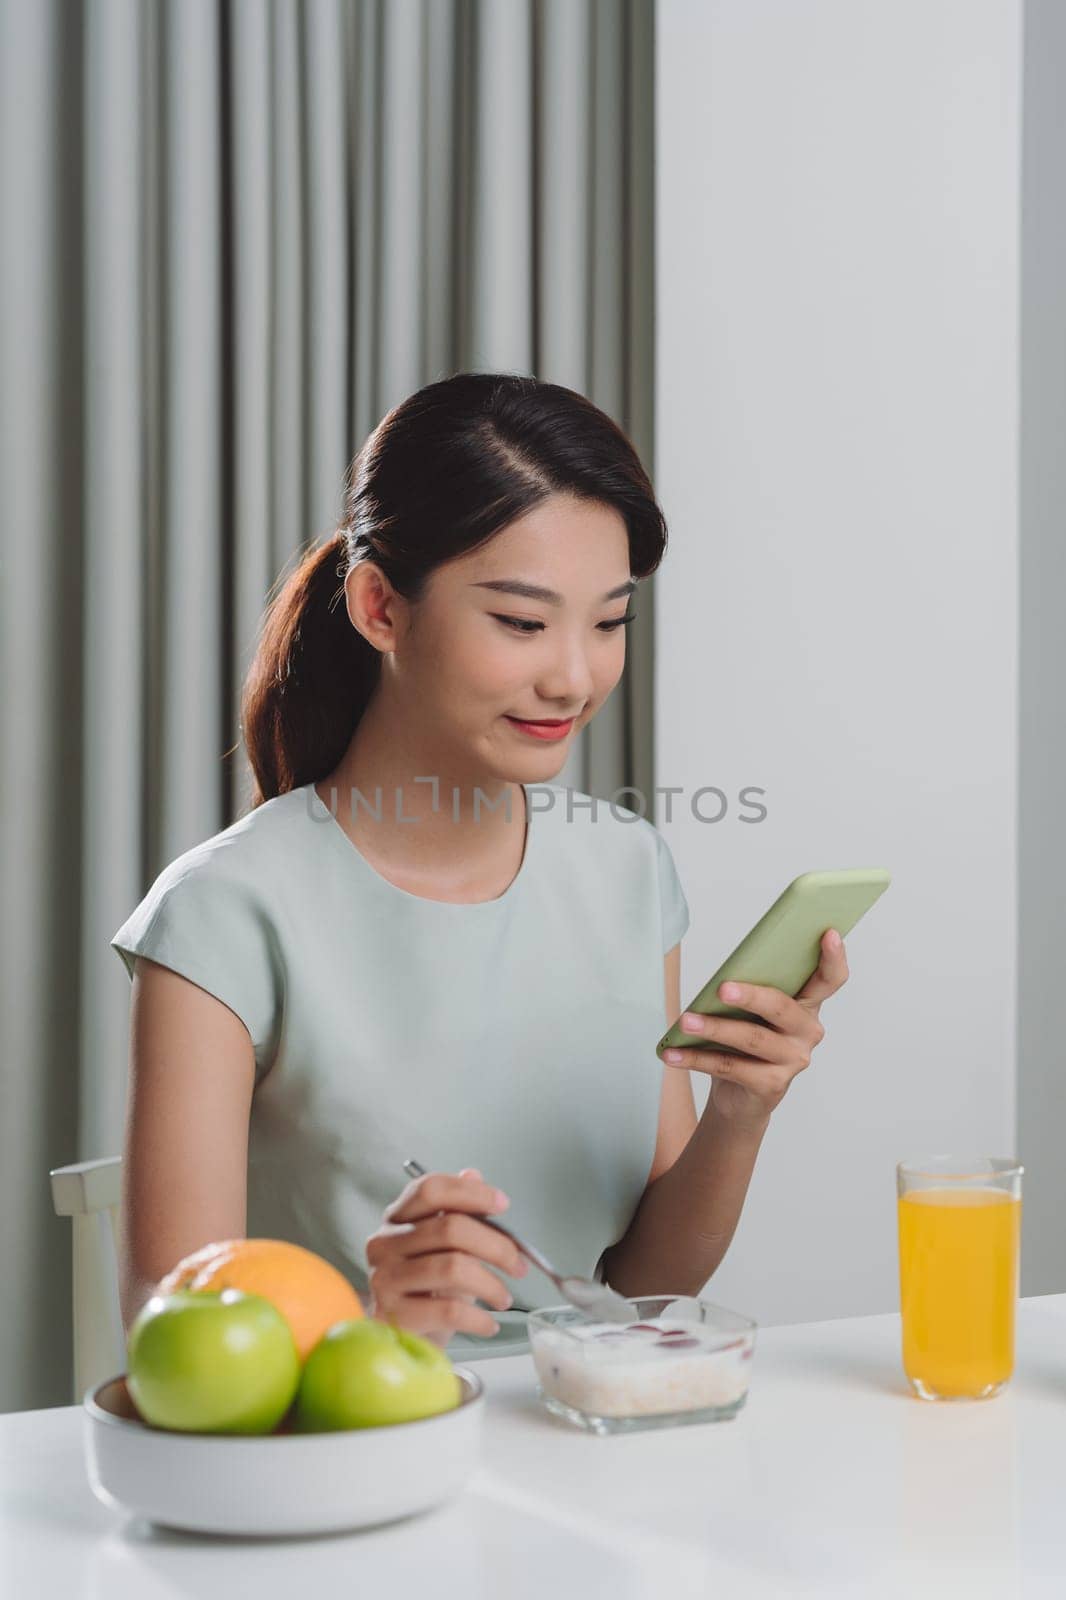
(441, 148)
(326, 242)
(192, 788)
(501, 279)
(249, 521)
(155, 275)
(605, 213)
(366, 166)
(400, 308)
(112, 595)
(564, 240)
(242, 230)
(287, 322)
(40, 656)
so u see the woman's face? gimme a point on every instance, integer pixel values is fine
(470, 656)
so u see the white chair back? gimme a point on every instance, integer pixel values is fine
(89, 1192)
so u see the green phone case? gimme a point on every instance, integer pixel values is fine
(784, 947)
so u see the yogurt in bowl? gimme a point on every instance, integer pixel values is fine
(684, 1361)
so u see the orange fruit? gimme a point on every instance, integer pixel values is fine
(310, 1293)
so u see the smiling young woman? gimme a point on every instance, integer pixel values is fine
(415, 943)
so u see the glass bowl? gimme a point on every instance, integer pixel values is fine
(685, 1361)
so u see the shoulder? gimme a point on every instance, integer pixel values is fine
(246, 846)
(244, 854)
(215, 914)
(226, 887)
(619, 856)
(593, 823)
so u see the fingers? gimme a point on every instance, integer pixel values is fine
(778, 1008)
(445, 1191)
(832, 972)
(439, 1319)
(431, 1258)
(765, 1079)
(406, 1300)
(454, 1231)
(434, 1290)
(761, 1043)
(783, 1012)
(450, 1273)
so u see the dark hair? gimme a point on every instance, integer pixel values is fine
(441, 474)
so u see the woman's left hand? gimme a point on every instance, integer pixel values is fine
(745, 1089)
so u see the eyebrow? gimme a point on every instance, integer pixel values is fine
(533, 591)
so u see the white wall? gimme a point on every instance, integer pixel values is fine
(837, 308)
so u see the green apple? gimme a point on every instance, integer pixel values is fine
(212, 1361)
(365, 1372)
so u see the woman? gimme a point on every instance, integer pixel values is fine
(415, 944)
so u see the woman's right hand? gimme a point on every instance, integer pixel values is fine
(427, 1259)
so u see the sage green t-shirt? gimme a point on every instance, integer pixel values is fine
(515, 1035)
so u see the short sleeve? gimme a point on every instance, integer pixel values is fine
(213, 930)
(675, 911)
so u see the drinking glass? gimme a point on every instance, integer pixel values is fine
(959, 1237)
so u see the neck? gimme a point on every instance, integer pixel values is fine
(437, 812)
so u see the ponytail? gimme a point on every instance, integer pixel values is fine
(311, 679)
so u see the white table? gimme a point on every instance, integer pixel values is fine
(833, 1481)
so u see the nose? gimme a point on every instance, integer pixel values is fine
(568, 679)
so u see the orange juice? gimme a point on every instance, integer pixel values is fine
(958, 1274)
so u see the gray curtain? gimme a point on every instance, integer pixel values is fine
(234, 235)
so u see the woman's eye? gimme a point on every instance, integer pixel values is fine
(519, 624)
(523, 625)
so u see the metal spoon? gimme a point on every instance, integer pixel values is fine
(599, 1302)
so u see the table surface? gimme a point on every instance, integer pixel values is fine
(832, 1481)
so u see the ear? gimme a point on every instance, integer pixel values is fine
(372, 602)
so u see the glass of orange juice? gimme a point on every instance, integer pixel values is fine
(959, 1239)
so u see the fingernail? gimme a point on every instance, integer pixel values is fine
(508, 1303)
(672, 1055)
(500, 1199)
(730, 991)
(691, 1023)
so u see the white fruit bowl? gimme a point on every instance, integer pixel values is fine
(277, 1484)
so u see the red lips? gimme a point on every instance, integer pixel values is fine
(543, 730)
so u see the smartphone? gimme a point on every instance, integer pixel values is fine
(785, 946)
